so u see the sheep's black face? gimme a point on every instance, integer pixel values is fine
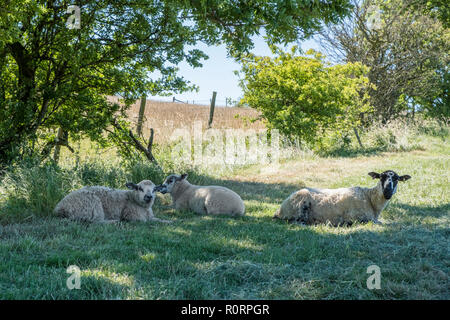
(389, 180)
(169, 183)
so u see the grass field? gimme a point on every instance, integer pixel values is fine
(253, 257)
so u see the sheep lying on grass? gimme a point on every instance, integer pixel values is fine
(210, 200)
(106, 205)
(341, 206)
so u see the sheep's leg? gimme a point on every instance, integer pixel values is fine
(151, 217)
(279, 216)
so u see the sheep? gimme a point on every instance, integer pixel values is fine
(341, 206)
(208, 200)
(105, 205)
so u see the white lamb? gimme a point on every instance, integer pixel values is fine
(212, 200)
(341, 206)
(106, 205)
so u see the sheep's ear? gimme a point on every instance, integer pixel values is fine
(132, 186)
(183, 176)
(374, 175)
(404, 178)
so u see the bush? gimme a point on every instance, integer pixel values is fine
(433, 128)
(303, 96)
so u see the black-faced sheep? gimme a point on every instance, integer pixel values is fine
(341, 206)
(209, 200)
(102, 204)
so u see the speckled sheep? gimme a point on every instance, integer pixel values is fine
(105, 205)
(341, 206)
(208, 200)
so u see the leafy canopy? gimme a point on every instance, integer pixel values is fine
(52, 76)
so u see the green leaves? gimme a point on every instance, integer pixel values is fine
(52, 76)
(303, 96)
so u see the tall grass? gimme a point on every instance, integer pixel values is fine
(30, 189)
(250, 257)
(399, 135)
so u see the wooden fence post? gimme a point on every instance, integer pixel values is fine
(59, 137)
(141, 115)
(211, 111)
(358, 138)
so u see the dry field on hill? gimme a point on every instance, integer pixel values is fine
(165, 117)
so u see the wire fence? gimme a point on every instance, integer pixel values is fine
(206, 102)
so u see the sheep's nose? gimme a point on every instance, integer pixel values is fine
(161, 188)
(147, 198)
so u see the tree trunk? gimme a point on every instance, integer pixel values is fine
(26, 84)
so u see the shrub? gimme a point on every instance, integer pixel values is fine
(395, 136)
(303, 96)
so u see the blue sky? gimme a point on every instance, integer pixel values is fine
(217, 73)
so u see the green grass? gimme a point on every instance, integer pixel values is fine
(253, 257)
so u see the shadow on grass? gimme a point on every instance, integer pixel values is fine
(220, 257)
(367, 152)
(250, 257)
(353, 153)
(423, 211)
(94, 286)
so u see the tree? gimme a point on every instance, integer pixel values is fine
(438, 106)
(303, 96)
(435, 8)
(52, 76)
(406, 50)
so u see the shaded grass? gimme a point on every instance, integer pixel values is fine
(252, 257)
(220, 258)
